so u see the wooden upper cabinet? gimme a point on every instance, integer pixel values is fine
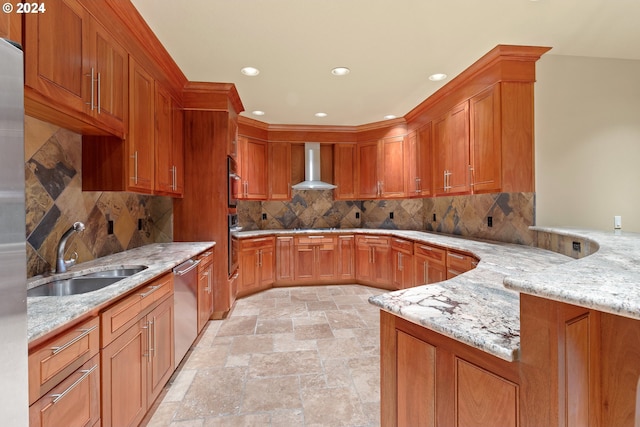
(419, 162)
(56, 59)
(368, 183)
(279, 161)
(485, 140)
(253, 167)
(391, 169)
(169, 144)
(450, 137)
(345, 171)
(141, 142)
(110, 69)
(11, 27)
(76, 68)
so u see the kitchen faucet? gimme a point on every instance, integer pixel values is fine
(61, 263)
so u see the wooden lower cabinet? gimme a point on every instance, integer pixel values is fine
(373, 260)
(430, 264)
(403, 264)
(205, 289)
(315, 259)
(345, 258)
(256, 264)
(431, 380)
(136, 365)
(459, 262)
(285, 259)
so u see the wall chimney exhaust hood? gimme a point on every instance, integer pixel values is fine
(312, 169)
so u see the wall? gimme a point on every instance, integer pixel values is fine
(55, 200)
(512, 214)
(587, 124)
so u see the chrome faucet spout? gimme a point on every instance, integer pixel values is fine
(61, 263)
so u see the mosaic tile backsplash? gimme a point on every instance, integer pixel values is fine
(511, 213)
(55, 200)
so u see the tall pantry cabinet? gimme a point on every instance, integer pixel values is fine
(210, 113)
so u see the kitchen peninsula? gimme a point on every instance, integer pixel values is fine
(565, 352)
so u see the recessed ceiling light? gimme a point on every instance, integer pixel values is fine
(250, 71)
(437, 77)
(321, 114)
(340, 71)
(389, 117)
(257, 113)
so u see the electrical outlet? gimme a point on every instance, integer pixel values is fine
(390, 215)
(617, 222)
(434, 217)
(357, 215)
(140, 224)
(489, 221)
(264, 216)
(110, 227)
(576, 246)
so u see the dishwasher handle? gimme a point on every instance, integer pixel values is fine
(177, 271)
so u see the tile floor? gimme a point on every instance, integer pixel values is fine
(300, 356)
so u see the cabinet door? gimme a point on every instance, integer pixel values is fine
(345, 262)
(345, 171)
(392, 170)
(110, 64)
(56, 59)
(402, 270)
(427, 271)
(382, 264)
(368, 184)
(279, 171)
(423, 160)
(285, 260)
(305, 261)
(141, 140)
(160, 347)
(459, 163)
(485, 140)
(124, 378)
(249, 270)
(164, 173)
(364, 263)
(416, 381)
(325, 261)
(254, 169)
(267, 265)
(440, 147)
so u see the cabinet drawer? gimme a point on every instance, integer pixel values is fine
(459, 262)
(434, 254)
(119, 316)
(315, 239)
(206, 258)
(402, 245)
(373, 240)
(58, 358)
(74, 402)
(256, 243)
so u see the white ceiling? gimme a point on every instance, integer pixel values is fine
(391, 46)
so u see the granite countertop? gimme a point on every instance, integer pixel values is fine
(607, 280)
(46, 314)
(474, 308)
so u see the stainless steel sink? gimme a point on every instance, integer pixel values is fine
(117, 272)
(85, 283)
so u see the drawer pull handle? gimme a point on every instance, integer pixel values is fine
(84, 333)
(146, 294)
(315, 237)
(206, 254)
(85, 374)
(456, 256)
(426, 248)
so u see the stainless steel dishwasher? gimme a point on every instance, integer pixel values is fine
(185, 283)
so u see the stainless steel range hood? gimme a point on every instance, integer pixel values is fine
(312, 169)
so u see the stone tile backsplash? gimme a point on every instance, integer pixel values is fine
(55, 200)
(512, 214)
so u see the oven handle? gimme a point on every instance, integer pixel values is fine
(186, 270)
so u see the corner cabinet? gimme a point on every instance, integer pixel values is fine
(382, 168)
(373, 260)
(402, 263)
(256, 265)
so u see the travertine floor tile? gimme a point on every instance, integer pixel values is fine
(286, 357)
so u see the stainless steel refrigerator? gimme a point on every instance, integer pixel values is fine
(14, 406)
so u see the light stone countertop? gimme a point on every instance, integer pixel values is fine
(474, 308)
(46, 314)
(607, 280)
